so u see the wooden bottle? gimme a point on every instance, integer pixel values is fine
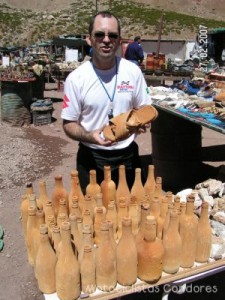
(58, 193)
(158, 188)
(111, 216)
(122, 212)
(167, 219)
(137, 189)
(75, 190)
(87, 270)
(155, 207)
(189, 234)
(145, 211)
(99, 203)
(62, 217)
(40, 220)
(87, 219)
(24, 207)
(177, 202)
(67, 268)
(172, 245)
(204, 240)
(126, 260)
(150, 253)
(32, 233)
(76, 235)
(51, 222)
(135, 215)
(62, 209)
(150, 183)
(56, 239)
(43, 196)
(89, 204)
(93, 188)
(45, 263)
(74, 209)
(49, 211)
(108, 187)
(122, 188)
(99, 218)
(106, 274)
(161, 218)
(170, 197)
(111, 235)
(87, 239)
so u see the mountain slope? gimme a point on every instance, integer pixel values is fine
(48, 18)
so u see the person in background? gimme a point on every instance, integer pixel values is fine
(103, 87)
(134, 51)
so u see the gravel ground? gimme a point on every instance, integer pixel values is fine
(29, 154)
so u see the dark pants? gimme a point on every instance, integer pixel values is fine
(92, 159)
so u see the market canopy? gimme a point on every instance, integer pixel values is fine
(69, 41)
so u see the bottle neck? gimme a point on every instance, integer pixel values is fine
(107, 174)
(93, 179)
(150, 232)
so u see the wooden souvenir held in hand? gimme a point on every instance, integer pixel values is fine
(125, 124)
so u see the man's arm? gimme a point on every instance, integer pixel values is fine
(76, 132)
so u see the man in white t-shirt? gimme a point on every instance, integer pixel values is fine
(99, 89)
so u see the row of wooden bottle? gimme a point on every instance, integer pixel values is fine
(180, 246)
(153, 208)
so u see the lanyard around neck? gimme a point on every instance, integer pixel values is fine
(111, 98)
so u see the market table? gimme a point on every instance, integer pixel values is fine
(177, 145)
(163, 78)
(183, 276)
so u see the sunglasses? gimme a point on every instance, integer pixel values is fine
(101, 35)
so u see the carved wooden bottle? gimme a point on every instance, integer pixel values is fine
(67, 268)
(111, 215)
(99, 218)
(93, 188)
(204, 240)
(43, 196)
(32, 233)
(135, 215)
(74, 209)
(87, 270)
(150, 183)
(24, 205)
(63, 209)
(121, 212)
(145, 210)
(137, 189)
(75, 190)
(150, 253)
(161, 218)
(172, 245)
(106, 274)
(87, 239)
(89, 204)
(45, 263)
(76, 235)
(126, 255)
(108, 187)
(158, 188)
(122, 188)
(189, 234)
(56, 239)
(58, 193)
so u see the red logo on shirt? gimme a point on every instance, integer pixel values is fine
(65, 101)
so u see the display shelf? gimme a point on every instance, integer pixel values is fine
(198, 271)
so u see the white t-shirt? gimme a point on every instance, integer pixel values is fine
(88, 96)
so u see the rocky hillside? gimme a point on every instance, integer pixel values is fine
(24, 22)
